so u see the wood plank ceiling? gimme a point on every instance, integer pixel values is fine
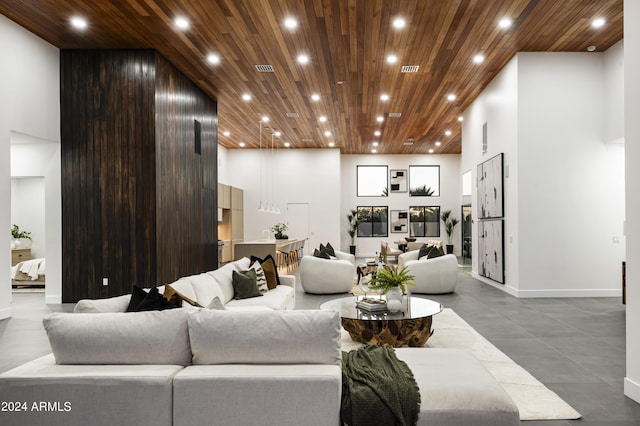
(347, 43)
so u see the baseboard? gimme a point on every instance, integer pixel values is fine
(632, 389)
(5, 313)
(566, 292)
(55, 299)
(504, 287)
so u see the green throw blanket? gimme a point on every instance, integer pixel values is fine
(378, 389)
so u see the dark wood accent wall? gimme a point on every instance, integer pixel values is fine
(139, 206)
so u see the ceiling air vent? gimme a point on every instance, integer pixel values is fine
(395, 114)
(293, 115)
(410, 68)
(264, 68)
(407, 143)
(307, 140)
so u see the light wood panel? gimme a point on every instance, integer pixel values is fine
(347, 41)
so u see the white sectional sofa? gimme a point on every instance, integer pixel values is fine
(204, 287)
(195, 366)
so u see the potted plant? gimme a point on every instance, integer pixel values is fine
(21, 239)
(279, 229)
(354, 221)
(450, 222)
(393, 284)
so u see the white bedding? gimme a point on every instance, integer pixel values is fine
(32, 268)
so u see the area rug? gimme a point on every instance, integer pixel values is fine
(534, 400)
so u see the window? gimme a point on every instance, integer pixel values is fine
(373, 221)
(372, 181)
(424, 221)
(424, 181)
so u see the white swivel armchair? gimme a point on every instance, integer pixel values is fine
(327, 276)
(438, 275)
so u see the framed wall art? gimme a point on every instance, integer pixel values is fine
(372, 181)
(398, 180)
(490, 182)
(491, 249)
(424, 181)
(399, 221)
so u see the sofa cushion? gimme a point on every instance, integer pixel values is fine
(110, 304)
(330, 250)
(280, 297)
(424, 250)
(245, 285)
(184, 287)
(153, 337)
(270, 268)
(268, 337)
(435, 252)
(205, 287)
(216, 303)
(322, 254)
(224, 277)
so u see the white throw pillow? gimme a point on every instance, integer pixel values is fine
(216, 304)
(265, 337)
(261, 279)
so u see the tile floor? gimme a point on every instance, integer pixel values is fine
(576, 347)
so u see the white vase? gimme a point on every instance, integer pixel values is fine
(394, 299)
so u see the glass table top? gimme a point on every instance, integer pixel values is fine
(412, 308)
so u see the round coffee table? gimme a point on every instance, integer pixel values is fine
(410, 326)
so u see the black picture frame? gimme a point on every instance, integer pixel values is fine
(424, 181)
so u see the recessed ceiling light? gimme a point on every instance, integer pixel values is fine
(181, 22)
(290, 23)
(375, 144)
(340, 82)
(78, 23)
(384, 97)
(438, 143)
(461, 119)
(377, 133)
(598, 22)
(478, 59)
(227, 133)
(380, 119)
(392, 59)
(327, 133)
(322, 119)
(315, 97)
(430, 150)
(451, 97)
(213, 59)
(287, 144)
(374, 151)
(399, 23)
(277, 134)
(505, 23)
(591, 48)
(332, 144)
(447, 132)
(303, 59)
(242, 144)
(264, 119)
(246, 97)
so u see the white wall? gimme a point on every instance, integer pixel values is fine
(571, 183)
(449, 199)
(302, 176)
(614, 93)
(498, 107)
(564, 186)
(632, 138)
(30, 93)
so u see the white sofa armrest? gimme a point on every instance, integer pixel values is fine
(405, 257)
(288, 280)
(110, 304)
(346, 256)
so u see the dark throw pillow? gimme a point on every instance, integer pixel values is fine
(152, 301)
(321, 254)
(329, 249)
(270, 269)
(435, 252)
(245, 284)
(424, 251)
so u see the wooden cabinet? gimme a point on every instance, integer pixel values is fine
(20, 255)
(231, 227)
(224, 196)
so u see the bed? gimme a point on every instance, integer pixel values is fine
(28, 272)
